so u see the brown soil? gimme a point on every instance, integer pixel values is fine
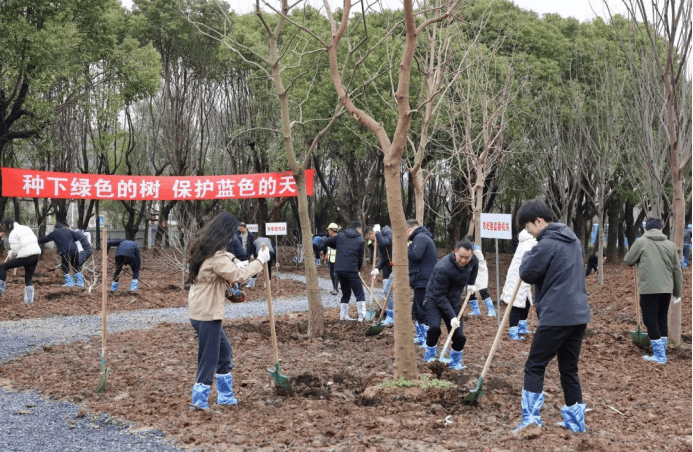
(337, 403)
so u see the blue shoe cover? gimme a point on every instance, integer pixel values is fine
(417, 333)
(456, 362)
(531, 404)
(423, 333)
(573, 417)
(660, 351)
(69, 282)
(134, 284)
(200, 394)
(522, 327)
(225, 394)
(431, 354)
(514, 334)
(79, 280)
(475, 308)
(490, 311)
(114, 286)
(3, 284)
(389, 319)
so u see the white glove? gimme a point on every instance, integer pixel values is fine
(242, 264)
(375, 272)
(376, 228)
(454, 322)
(263, 255)
(471, 289)
(677, 300)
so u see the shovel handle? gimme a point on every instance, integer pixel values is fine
(373, 297)
(452, 330)
(270, 308)
(499, 333)
(375, 255)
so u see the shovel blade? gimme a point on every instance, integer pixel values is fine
(640, 339)
(474, 394)
(282, 382)
(374, 330)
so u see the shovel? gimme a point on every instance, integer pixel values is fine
(452, 330)
(101, 386)
(376, 329)
(282, 382)
(371, 310)
(641, 339)
(476, 393)
(373, 298)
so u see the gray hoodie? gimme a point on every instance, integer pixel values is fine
(555, 267)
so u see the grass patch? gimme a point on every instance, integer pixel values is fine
(424, 383)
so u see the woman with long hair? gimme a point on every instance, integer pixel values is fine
(211, 268)
(24, 252)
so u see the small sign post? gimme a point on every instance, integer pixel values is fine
(496, 226)
(275, 229)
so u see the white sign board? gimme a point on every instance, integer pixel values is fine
(275, 228)
(496, 226)
(251, 227)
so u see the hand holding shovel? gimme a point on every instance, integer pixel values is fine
(452, 330)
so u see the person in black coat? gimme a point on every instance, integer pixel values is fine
(349, 245)
(451, 275)
(236, 248)
(127, 253)
(555, 267)
(422, 258)
(593, 263)
(384, 265)
(70, 256)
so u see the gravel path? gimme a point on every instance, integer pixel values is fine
(29, 422)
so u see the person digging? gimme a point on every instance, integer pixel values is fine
(24, 252)
(127, 253)
(451, 275)
(555, 267)
(384, 239)
(659, 279)
(70, 257)
(481, 284)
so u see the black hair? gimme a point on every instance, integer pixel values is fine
(468, 237)
(653, 223)
(213, 237)
(368, 229)
(7, 224)
(464, 243)
(531, 210)
(355, 224)
(412, 223)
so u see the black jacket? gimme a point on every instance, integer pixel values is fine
(235, 247)
(349, 246)
(126, 248)
(384, 250)
(422, 257)
(447, 282)
(65, 239)
(555, 268)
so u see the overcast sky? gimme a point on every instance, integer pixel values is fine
(583, 10)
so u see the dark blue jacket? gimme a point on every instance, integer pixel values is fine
(65, 239)
(349, 246)
(249, 247)
(384, 250)
(235, 247)
(126, 248)
(422, 257)
(447, 282)
(555, 267)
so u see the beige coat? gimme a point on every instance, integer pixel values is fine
(206, 297)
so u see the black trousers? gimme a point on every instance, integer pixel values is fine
(214, 351)
(418, 311)
(483, 292)
(120, 262)
(435, 316)
(29, 263)
(350, 281)
(564, 343)
(333, 274)
(517, 314)
(655, 309)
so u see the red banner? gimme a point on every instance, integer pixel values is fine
(45, 184)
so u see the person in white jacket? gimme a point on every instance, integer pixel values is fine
(24, 252)
(523, 300)
(481, 284)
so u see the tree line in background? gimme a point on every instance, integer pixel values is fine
(440, 111)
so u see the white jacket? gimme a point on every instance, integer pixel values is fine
(526, 243)
(482, 274)
(23, 242)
